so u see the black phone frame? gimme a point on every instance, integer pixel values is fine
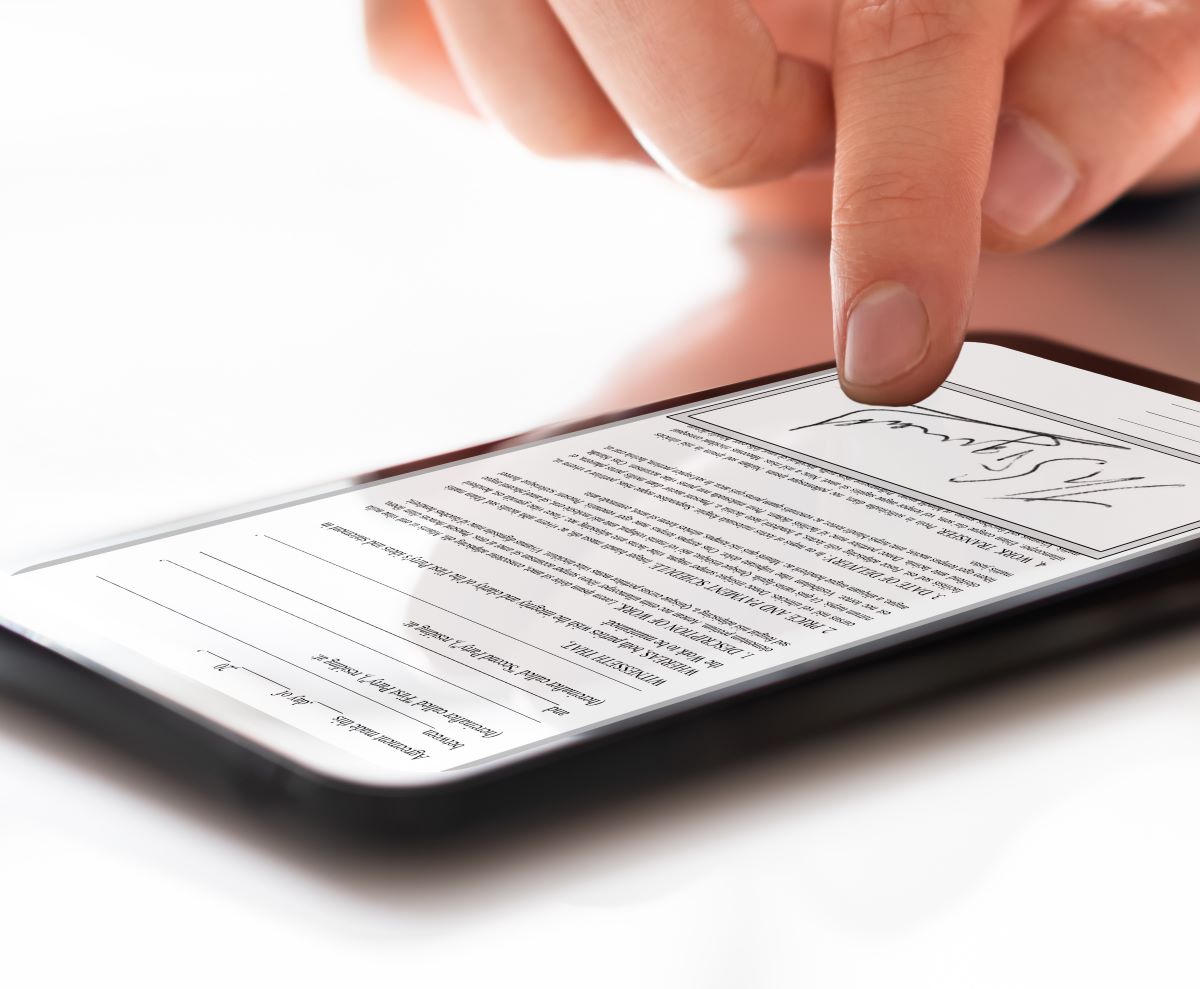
(1155, 592)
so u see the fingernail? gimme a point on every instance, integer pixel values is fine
(887, 334)
(1032, 176)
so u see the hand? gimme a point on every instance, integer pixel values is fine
(957, 122)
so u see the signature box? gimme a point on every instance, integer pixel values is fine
(1078, 486)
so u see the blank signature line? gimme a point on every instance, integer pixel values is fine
(1133, 422)
(1194, 425)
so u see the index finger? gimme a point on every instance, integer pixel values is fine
(704, 86)
(917, 86)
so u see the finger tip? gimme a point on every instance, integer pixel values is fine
(912, 385)
(905, 391)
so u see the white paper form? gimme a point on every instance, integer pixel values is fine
(434, 620)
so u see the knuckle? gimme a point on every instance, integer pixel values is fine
(734, 160)
(893, 195)
(720, 170)
(880, 31)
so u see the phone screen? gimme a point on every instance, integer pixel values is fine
(444, 619)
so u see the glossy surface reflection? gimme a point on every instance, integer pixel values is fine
(236, 263)
(1124, 287)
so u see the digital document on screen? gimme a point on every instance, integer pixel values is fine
(438, 619)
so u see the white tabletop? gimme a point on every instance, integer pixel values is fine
(234, 262)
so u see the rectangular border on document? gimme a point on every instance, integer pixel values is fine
(688, 418)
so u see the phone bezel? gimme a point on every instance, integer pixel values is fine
(844, 658)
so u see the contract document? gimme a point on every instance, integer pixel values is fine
(438, 619)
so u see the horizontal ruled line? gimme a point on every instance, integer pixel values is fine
(456, 614)
(265, 652)
(362, 645)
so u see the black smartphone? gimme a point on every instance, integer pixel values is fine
(610, 601)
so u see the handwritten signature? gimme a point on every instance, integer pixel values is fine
(1078, 471)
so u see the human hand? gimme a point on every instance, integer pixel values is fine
(957, 122)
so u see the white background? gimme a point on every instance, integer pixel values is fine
(234, 262)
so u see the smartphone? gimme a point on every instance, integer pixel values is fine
(612, 601)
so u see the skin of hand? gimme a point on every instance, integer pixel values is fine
(922, 130)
